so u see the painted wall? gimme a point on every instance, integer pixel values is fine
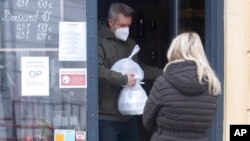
(237, 64)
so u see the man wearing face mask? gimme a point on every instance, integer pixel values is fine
(115, 44)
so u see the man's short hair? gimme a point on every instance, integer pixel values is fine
(119, 8)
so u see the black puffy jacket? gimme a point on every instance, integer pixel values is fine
(179, 108)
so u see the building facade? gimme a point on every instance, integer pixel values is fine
(236, 66)
(33, 32)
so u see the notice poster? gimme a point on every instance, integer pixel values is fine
(80, 136)
(73, 78)
(64, 135)
(72, 41)
(35, 76)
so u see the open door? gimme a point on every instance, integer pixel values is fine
(157, 22)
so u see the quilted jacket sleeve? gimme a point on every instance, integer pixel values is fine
(153, 106)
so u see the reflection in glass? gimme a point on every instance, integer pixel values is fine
(36, 117)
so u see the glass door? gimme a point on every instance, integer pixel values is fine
(43, 70)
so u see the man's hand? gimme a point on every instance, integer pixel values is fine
(131, 79)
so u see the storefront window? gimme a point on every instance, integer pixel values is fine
(43, 70)
(192, 17)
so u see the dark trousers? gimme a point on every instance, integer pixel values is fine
(118, 131)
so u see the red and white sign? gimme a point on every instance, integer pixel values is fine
(73, 78)
(80, 136)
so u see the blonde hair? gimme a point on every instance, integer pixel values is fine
(188, 46)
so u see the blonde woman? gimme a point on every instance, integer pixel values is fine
(182, 102)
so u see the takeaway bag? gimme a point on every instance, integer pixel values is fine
(127, 65)
(131, 99)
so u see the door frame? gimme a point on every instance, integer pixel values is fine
(92, 73)
(214, 35)
(214, 44)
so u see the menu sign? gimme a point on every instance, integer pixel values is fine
(33, 22)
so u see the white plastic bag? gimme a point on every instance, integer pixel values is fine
(127, 65)
(132, 100)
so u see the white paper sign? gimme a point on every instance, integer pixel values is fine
(35, 76)
(73, 78)
(72, 41)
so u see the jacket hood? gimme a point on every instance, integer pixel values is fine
(105, 32)
(183, 77)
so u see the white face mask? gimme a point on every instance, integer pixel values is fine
(122, 33)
